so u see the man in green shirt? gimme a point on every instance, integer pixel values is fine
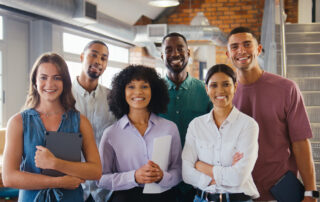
(188, 97)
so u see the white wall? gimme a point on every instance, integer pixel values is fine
(15, 67)
(304, 11)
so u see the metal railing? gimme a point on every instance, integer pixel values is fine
(283, 41)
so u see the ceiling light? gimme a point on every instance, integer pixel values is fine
(164, 3)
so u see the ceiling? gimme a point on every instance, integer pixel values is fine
(128, 11)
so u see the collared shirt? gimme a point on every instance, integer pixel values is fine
(217, 146)
(186, 103)
(95, 107)
(123, 150)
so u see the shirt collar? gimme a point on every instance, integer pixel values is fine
(83, 91)
(231, 117)
(124, 121)
(185, 84)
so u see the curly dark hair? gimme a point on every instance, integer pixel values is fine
(159, 90)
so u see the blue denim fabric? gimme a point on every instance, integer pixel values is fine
(200, 199)
(33, 135)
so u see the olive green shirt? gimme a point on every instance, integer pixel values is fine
(186, 103)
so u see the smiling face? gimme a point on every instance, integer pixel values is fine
(94, 60)
(221, 90)
(175, 54)
(138, 94)
(49, 82)
(243, 50)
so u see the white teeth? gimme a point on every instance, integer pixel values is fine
(243, 58)
(49, 91)
(220, 97)
(138, 99)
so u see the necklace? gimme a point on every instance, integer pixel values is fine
(47, 114)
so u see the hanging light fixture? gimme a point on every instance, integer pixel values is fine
(164, 3)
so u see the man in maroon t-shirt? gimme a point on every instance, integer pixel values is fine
(277, 105)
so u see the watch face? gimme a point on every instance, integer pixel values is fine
(315, 194)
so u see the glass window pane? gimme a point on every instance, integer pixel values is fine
(74, 69)
(73, 43)
(107, 76)
(118, 54)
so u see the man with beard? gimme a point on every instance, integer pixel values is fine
(91, 100)
(277, 105)
(188, 97)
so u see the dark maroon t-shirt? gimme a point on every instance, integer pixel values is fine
(277, 105)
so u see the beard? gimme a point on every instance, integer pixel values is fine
(176, 69)
(93, 74)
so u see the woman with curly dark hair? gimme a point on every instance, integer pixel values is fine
(138, 94)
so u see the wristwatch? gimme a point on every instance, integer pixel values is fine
(313, 194)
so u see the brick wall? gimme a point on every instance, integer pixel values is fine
(228, 14)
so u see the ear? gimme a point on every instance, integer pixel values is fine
(188, 52)
(206, 86)
(161, 55)
(235, 86)
(227, 53)
(259, 49)
(81, 57)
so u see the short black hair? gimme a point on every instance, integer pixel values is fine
(241, 30)
(159, 90)
(94, 42)
(174, 34)
(220, 68)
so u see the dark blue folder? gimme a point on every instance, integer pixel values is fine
(66, 146)
(288, 189)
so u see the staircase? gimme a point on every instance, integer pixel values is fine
(303, 66)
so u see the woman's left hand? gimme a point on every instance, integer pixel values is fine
(44, 158)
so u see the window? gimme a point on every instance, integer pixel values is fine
(73, 46)
(73, 43)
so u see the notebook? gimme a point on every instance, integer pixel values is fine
(288, 189)
(66, 146)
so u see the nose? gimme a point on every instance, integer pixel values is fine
(241, 49)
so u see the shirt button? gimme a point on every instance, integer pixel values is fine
(177, 112)
(178, 98)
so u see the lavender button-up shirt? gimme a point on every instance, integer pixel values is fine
(123, 150)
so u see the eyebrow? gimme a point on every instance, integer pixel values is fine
(95, 51)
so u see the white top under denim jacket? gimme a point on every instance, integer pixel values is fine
(216, 146)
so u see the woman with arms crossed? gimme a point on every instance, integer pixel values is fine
(49, 107)
(222, 146)
(137, 95)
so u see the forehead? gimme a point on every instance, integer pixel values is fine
(240, 38)
(138, 80)
(174, 41)
(47, 68)
(219, 76)
(99, 48)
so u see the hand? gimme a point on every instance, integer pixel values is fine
(70, 182)
(43, 158)
(309, 199)
(212, 182)
(236, 157)
(148, 173)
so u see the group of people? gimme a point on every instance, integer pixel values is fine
(232, 137)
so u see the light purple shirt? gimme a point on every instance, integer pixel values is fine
(123, 150)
